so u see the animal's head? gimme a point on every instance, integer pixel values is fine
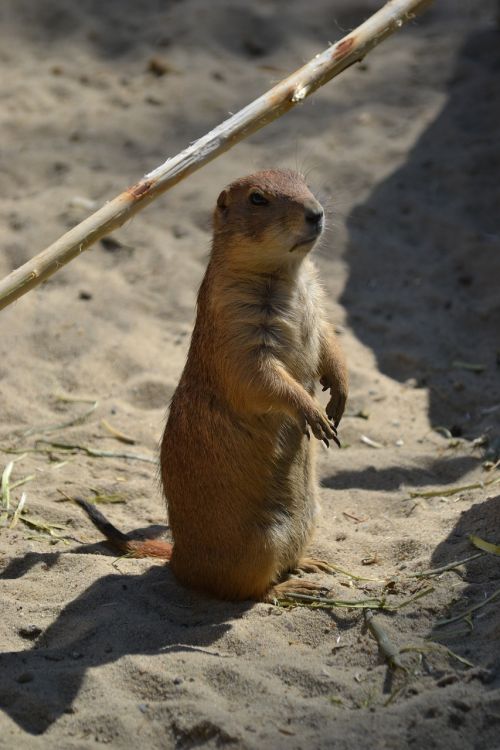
(267, 219)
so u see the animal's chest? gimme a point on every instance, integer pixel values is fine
(276, 318)
(293, 325)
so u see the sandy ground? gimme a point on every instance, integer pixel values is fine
(403, 150)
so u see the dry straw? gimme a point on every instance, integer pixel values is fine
(268, 107)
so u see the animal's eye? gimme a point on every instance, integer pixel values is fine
(257, 198)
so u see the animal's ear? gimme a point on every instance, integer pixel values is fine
(222, 201)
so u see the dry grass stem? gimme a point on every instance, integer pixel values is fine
(18, 511)
(436, 648)
(492, 549)
(20, 482)
(117, 434)
(450, 566)
(468, 612)
(52, 447)
(454, 490)
(6, 485)
(61, 425)
(373, 603)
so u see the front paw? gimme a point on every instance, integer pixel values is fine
(321, 428)
(338, 397)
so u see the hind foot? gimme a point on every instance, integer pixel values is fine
(293, 586)
(311, 565)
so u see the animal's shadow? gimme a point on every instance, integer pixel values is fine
(147, 613)
(423, 293)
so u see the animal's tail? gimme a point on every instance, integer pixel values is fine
(120, 541)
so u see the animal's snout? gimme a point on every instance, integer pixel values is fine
(314, 216)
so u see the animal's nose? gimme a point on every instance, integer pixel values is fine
(314, 215)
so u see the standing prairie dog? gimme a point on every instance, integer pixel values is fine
(236, 455)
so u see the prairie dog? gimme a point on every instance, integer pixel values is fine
(236, 455)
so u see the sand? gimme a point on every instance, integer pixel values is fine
(403, 151)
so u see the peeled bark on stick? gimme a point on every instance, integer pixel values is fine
(268, 107)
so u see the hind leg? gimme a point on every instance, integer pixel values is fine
(293, 586)
(298, 585)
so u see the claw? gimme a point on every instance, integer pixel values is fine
(326, 442)
(336, 441)
(333, 424)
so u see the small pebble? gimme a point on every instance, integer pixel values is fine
(153, 100)
(447, 679)
(411, 383)
(179, 232)
(26, 677)
(30, 632)
(158, 67)
(111, 243)
(462, 705)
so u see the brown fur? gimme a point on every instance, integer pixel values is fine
(236, 458)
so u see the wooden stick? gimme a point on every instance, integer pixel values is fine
(271, 105)
(389, 650)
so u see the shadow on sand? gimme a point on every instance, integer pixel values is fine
(116, 616)
(422, 296)
(424, 293)
(478, 637)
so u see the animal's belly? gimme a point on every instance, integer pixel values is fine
(248, 474)
(288, 509)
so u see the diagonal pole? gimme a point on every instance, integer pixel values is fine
(268, 107)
